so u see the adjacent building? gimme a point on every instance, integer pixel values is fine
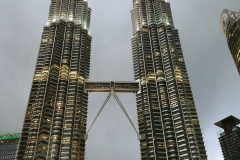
(55, 122)
(230, 138)
(168, 122)
(230, 24)
(54, 126)
(8, 146)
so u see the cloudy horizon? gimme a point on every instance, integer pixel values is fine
(213, 76)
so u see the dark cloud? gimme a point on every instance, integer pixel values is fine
(214, 78)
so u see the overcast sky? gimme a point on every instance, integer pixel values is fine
(213, 75)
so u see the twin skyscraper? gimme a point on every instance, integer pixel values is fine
(55, 122)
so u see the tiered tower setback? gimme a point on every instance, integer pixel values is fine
(167, 117)
(55, 120)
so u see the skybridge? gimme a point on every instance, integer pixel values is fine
(112, 88)
(119, 86)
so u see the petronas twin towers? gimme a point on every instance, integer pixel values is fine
(55, 122)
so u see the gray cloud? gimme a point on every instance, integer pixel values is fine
(214, 78)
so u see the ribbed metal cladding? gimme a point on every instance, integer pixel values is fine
(167, 117)
(55, 122)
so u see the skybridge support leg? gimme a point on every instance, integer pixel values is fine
(124, 110)
(120, 104)
(105, 102)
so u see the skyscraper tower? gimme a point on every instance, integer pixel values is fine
(55, 120)
(167, 117)
(230, 137)
(230, 24)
